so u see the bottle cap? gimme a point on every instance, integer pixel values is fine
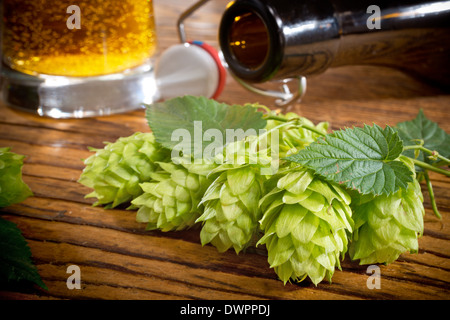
(192, 68)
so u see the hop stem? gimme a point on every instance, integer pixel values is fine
(297, 121)
(433, 153)
(431, 192)
(427, 166)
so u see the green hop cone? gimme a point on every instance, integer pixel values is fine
(305, 223)
(293, 136)
(171, 200)
(116, 171)
(388, 225)
(12, 188)
(231, 212)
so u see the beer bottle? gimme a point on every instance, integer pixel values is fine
(265, 40)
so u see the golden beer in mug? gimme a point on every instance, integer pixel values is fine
(64, 51)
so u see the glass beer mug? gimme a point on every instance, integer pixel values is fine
(77, 58)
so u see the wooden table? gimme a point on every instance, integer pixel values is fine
(118, 259)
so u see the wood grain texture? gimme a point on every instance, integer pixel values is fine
(119, 259)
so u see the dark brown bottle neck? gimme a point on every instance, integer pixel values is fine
(308, 37)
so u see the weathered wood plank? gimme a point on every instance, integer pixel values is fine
(225, 285)
(119, 259)
(79, 213)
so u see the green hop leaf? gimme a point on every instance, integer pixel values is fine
(15, 256)
(116, 171)
(12, 188)
(363, 159)
(197, 115)
(422, 129)
(171, 200)
(306, 221)
(388, 225)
